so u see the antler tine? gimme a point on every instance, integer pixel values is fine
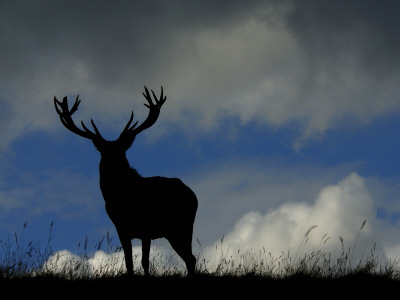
(162, 98)
(55, 105)
(76, 104)
(154, 111)
(66, 119)
(94, 127)
(148, 97)
(127, 128)
(159, 102)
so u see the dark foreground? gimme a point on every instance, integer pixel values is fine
(201, 287)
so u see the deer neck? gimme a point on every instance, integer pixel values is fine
(116, 179)
(116, 169)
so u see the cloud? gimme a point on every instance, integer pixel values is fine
(67, 263)
(229, 190)
(277, 64)
(338, 212)
(277, 204)
(162, 261)
(9, 202)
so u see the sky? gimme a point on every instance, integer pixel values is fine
(280, 115)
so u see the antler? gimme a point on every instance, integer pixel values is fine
(129, 133)
(65, 117)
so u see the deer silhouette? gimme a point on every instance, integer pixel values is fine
(140, 207)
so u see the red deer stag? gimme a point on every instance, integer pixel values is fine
(140, 207)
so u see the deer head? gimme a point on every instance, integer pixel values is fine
(127, 136)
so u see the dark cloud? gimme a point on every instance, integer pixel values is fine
(113, 39)
(274, 62)
(365, 32)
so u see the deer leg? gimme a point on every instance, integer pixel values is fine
(127, 246)
(184, 249)
(145, 255)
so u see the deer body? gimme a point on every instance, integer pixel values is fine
(149, 207)
(140, 207)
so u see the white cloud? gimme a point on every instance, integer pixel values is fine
(393, 252)
(162, 260)
(229, 190)
(339, 211)
(67, 263)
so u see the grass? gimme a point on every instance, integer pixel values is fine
(25, 270)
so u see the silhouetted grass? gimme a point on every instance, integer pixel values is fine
(26, 271)
(19, 259)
